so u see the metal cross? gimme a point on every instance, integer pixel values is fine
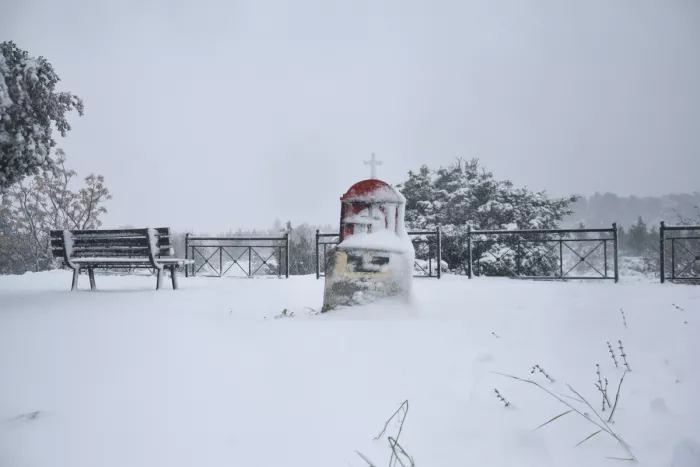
(373, 162)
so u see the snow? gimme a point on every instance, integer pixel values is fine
(383, 194)
(153, 241)
(686, 454)
(422, 267)
(383, 239)
(379, 240)
(205, 375)
(68, 243)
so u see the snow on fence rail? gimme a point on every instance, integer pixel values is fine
(679, 251)
(544, 254)
(237, 256)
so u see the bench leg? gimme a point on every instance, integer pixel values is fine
(74, 284)
(173, 276)
(159, 278)
(91, 273)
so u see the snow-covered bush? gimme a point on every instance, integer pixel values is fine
(29, 107)
(464, 194)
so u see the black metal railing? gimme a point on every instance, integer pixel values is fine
(679, 250)
(325, 244)
(237, 256)
(428, 247)
(426, 243)
(544, 254)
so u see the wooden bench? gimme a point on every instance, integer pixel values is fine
(116, 249)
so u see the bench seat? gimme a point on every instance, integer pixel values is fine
(111, 260)
(125, 248)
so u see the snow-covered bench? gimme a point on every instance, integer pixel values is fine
(115, 249)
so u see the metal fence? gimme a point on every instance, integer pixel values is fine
(237, 256)
(426, 243)
(544, 254)
(428, 247)
(325, 244)
(679, 249)
(525, 254)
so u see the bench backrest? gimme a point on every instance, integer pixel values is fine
(125, 243)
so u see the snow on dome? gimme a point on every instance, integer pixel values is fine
(372, 190)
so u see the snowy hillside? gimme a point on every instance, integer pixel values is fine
(206, 376)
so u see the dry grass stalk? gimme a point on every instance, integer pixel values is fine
(600, 423)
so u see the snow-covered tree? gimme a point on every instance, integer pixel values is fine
(302, 249)
(465, 194)
(32, 208)
(29, 107)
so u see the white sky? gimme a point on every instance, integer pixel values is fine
(214, 114)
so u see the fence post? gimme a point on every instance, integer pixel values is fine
(187, 249)
(605, 257)
(617, 271)
(318, 272)
(561, 257)
(287, 255)
(469, 248)
(430, 260)
(439, 253)
(662, 258)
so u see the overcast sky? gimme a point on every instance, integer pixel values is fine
(215, 114)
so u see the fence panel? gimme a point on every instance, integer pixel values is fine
(544, 254)
(679, 251)
(237, 256)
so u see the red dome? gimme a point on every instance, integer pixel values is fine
(372, 189)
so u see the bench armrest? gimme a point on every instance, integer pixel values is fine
(153, 250)
(68, 249)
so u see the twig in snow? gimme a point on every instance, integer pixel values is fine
(603, 425)
(603, 389)
(624, 356)
(552, 419)
(541, 370)
(587, 438)
(569, 397)
(28, 416)
(495, 335)
(501, 398)
(617, 397)
(364, 458)
(607, 427)
(399, 454)
(624, 319)
(400, 415)
(285, 314)
(612, 353)
(396, 449)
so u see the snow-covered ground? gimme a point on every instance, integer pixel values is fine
(206, 376)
